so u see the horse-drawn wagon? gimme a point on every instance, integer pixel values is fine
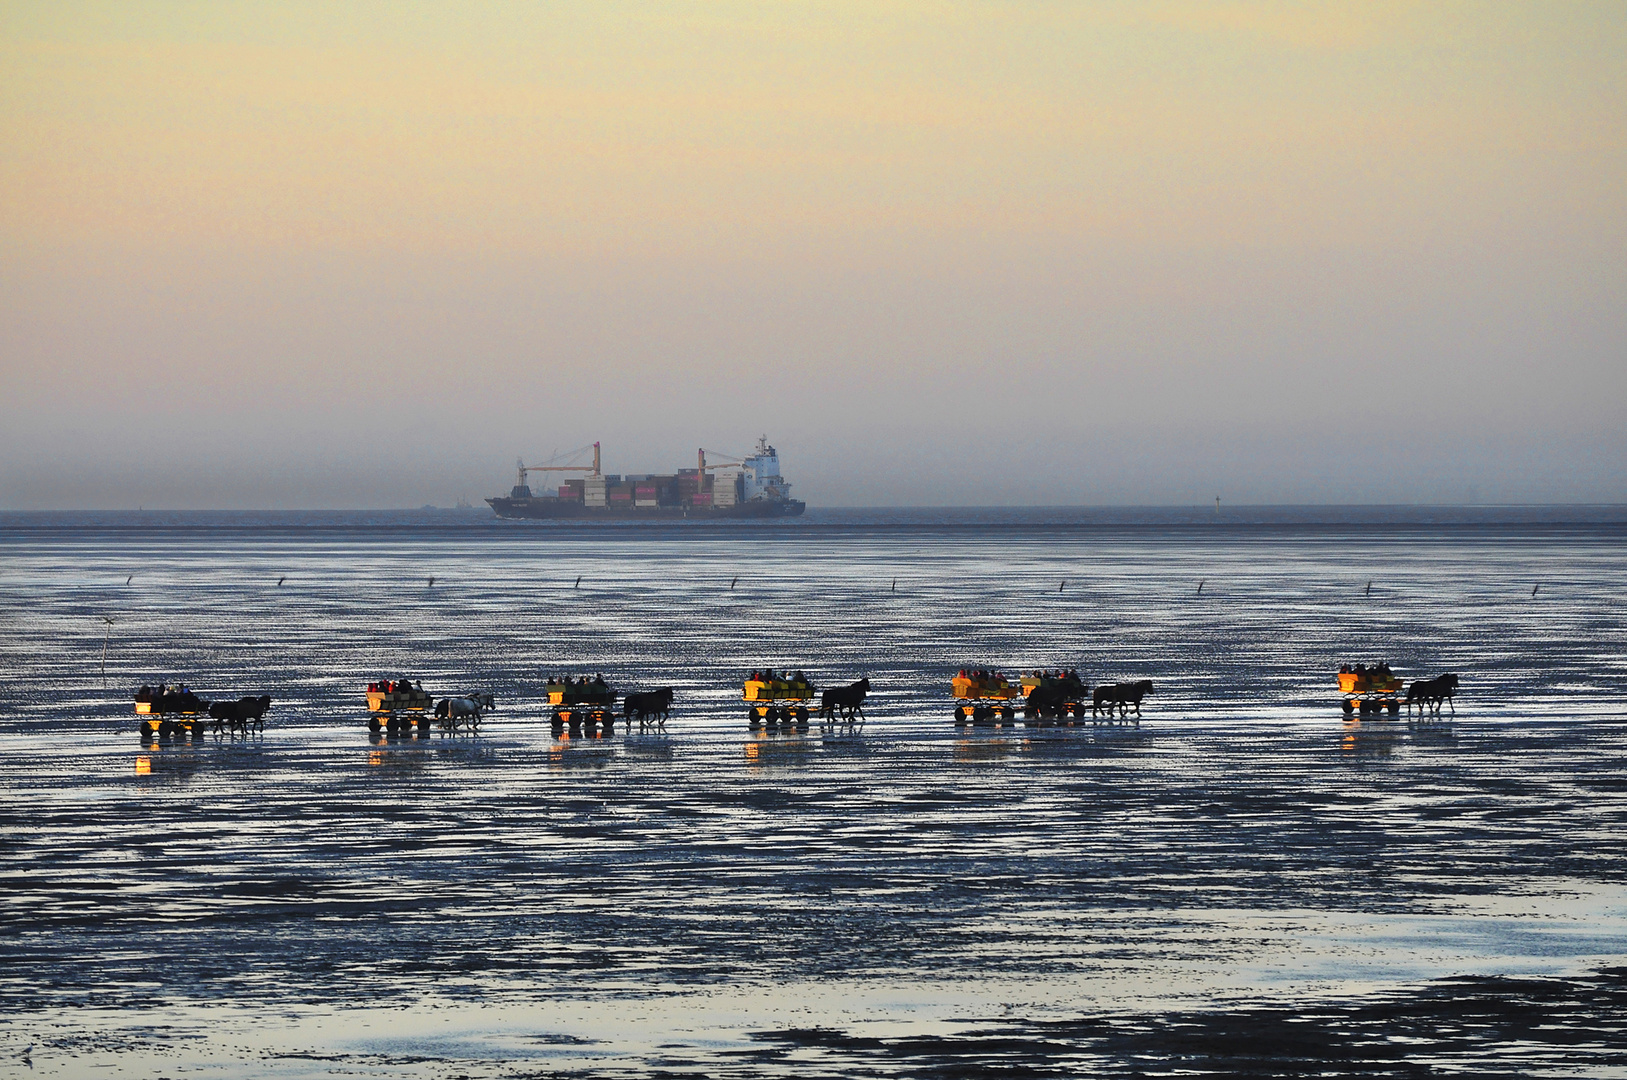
(176, 710)
(1369, 691)
(774, 699)
(396, 705)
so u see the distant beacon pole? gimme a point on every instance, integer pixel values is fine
(595, 459)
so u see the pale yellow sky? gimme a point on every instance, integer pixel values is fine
(667, 126)
(1127, 199)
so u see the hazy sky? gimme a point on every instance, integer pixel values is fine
(355, 254)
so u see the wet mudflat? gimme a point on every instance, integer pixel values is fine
(1244, 883)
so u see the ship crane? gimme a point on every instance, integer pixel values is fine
(731, 463)
(591, 470)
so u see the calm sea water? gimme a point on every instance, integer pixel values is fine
(1245, 882)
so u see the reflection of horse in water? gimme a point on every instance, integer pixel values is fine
(650, 707)
(238, 715)
(454, 712)
(1120, 696)
(1432, 693)
(845, 701)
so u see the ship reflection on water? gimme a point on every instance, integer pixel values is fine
(1246, 881)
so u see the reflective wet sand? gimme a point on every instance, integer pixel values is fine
(1245, 872)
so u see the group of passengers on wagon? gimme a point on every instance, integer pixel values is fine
(782, 681)
(1379, 671)
(582, 680)
(396, 686)
(983, 675)
(564, 690)
(151, 693)
(164, 698)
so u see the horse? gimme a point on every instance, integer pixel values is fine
(1432, 693)
(1054, 696)
(847, 700)
(470, 707)
(238, 715)
(648, 706)
(1121, 696)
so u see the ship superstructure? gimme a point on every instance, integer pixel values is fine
(722, 487)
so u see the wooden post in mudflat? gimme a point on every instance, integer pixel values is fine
(107, 633)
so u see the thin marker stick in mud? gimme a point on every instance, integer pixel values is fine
(108, 619)
(895, 584)
(1200, 586)
(1062, 586)
(431, 581)
(1534, 589)
(578, 584)
(1369, 588)
(733, 583)
(281, 580)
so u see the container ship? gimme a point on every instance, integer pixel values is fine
(723, 487)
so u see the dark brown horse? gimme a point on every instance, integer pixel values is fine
(1054, 697)
(238, 715)
(846, 700)
(1432, 693)
(1120, 696)
(653, 705)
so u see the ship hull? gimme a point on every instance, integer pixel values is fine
(545, 509)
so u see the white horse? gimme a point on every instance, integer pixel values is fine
(465, 711)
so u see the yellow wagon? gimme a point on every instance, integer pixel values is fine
(1370, 693)
(774, 699)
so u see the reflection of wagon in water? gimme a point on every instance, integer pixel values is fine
(775, 699)
(397, 704)
(1369, 691)
(167, 710)
(581, 701)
